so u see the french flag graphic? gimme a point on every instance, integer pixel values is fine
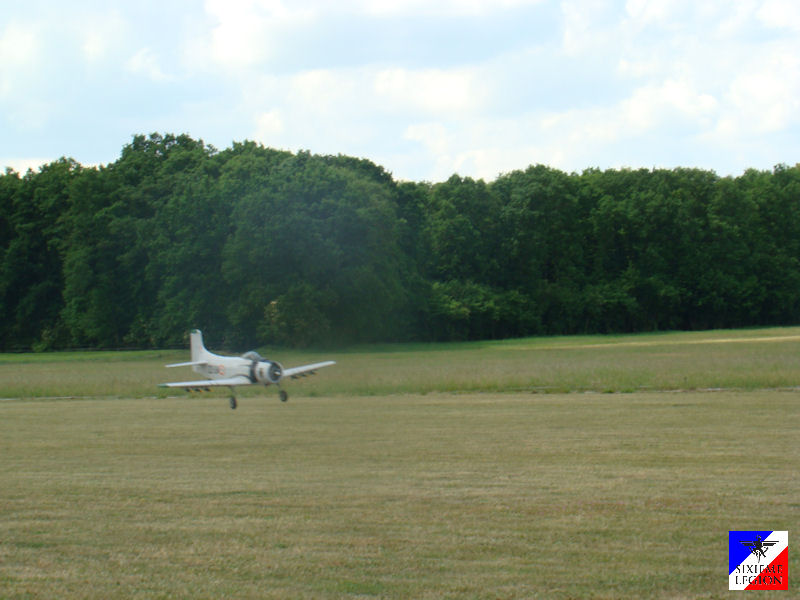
(758, 560)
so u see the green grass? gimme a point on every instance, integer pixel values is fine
(340, 494)
(749, 359)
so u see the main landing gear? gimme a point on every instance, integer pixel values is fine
(232, 400)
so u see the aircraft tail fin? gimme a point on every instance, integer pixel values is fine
(200, 355)
(199, 352)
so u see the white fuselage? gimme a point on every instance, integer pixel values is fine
(250, 366)
(257, 370)
(219, 367)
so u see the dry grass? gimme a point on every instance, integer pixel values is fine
(441, 495)
(437, 496)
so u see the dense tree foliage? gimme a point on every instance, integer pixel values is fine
(256, 245)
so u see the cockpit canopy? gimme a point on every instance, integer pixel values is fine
(252, 355)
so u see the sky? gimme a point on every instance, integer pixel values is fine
(424, 88)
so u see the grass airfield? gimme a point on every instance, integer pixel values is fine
(489, 470)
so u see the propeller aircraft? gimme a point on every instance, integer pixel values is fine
(233, 371)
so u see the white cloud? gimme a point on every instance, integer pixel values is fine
(247, 32)
(99, 35)
(146, 63)
(430, 91)
(388, 8)
(735, 19)
(322, 88)
(580, 32)
(20, 54)
(764, 97)
(638, 67)
(652, 106)
(431, 135)
(484, 148)
(23, 68)
(649, 11)
(21, 165)
(653, 110)
(781, 14)
(94, 45)
(323, 110)
(365, 111)
(572, 83)
(269, 125)
(570, 139)
(449, 123)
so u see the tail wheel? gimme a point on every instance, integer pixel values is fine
(233, 402)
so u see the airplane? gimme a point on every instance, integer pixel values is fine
(232, 371)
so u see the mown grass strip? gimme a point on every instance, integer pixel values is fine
(749, 359)
(435, 496)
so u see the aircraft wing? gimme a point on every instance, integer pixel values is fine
(306, 370)
(197, 363)
(227, 382)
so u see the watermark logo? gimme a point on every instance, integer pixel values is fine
(758, 560)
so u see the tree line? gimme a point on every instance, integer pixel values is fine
(256, 245)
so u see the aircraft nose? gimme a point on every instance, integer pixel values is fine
(275, 372)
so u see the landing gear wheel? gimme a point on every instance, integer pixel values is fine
(233, 402)
(284, 396)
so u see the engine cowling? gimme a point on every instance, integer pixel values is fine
(267, 372)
